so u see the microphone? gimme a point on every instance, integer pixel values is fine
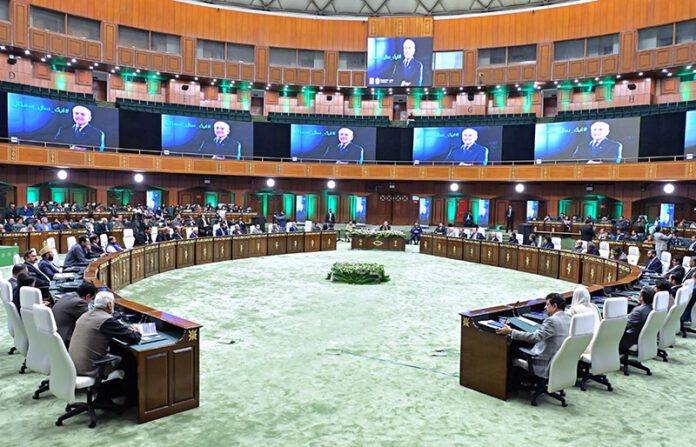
(515, 310)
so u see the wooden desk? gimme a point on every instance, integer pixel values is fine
(454, 248)
(204, 250)
(277, 244)
(222, 248)
(19, 240)
(312, 241)
(426, 244)
(295, 242)
(369, 242)
(328, 240)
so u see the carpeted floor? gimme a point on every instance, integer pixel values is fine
(290, 359)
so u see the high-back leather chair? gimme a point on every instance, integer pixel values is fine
(646, 348)
(21, 342)
(668, 332)
(37, 359)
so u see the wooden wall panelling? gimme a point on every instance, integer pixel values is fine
(682, 54)
(20, 23)
(627, 50)
(358, 78)
(76, 48)
(142, 59)
(440, 78)
(602, 92)
(233, 70)
(593, 66)
(469, 62)
(116, 82)
(455, 78)
(275, 74)
(498, 75)
(645, 60)
(289, 75)
(610, 64)
(331, 67)
(57, 44)
(261, 63)
(559, 70)
(529, 72)
(109, 41)
(173, 63)
(343, 78)
(5, 32)
(669, 86)
(576, 68)
(38, 39)
(416, 26)
(93, 50)
(126, 56)
(157, 61)
(303, 76)
(210, 92)
(317, 77)
(271, 98)
(83, 77)
(188, 55)
(217, 69)
(42, 71)
(247, 72)
(203, 67)
(544, 58)
(663, 57)
(514, 73)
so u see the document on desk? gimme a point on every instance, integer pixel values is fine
(524, 324)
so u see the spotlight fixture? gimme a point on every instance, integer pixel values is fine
(668, 188)
(27, 52)
(454, 187)
(158, 73)
(62, 174)
(270, 183)
(519, 187)
(137, 70)
(138, 178)
(69, 64)
(640, 74)
(331, 184)
(73, 60)
(118, 68)
(48, 56)
(196, 78)
(43, 59)
(176, 76)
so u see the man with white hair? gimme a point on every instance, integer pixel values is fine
(600, 148)
(81, 133)
(470, 152)
(94, 330)
(222, 145)
(345, 150)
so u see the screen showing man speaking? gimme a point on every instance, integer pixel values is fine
(399, 61)
(597, 141)
(464, 146)
(333, 143)
(690, 133)
(61, 123)
(211, 138)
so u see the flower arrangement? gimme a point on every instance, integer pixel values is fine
(379, 234)
(357, 273)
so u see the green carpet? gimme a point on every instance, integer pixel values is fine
(315, 363)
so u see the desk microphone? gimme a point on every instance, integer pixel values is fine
(515, 310)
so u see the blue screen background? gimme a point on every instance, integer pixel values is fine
(690, 133)
(185, 134)
(310, 141)
(382, 52)
(434, 143)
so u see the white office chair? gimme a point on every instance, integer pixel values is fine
(51, 242)
(481, 230)
(604, 347)
(16, 259)
(71, 241)
(520, 239)
(646, 348)
(563, 369)
(153, 234)
(499, 236)
(668, 333)
(666, 258)
(128, 238)
(21, 342)
(103, 240)
(467, 231)
(64, 379)
(584, 246)
(688, 326)
(189, 230)
(556, 243)
(215, 228)
(6, 297)
(308, 225)
(633, 255)
(37, 359)
(685, 262)
(56, 258)
(604, 249)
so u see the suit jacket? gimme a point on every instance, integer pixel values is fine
(636, 321)
(228, 147)
(177, 237)
(661, 242)
(678, 269)
(222, 232)
(47, 268)
(510, 214)
(475, 154)
(87, 136)
(76, 257)
(66, 311)
(654, 265)
(587, 233)
(42, 281)
(468, 219)
(163, 236)
(411, 72)
(609, 150)
(330, 218)
(547, 340)
(351, 152)
(690, 273)
(383, 228)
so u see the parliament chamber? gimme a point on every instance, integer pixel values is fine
(181, 179)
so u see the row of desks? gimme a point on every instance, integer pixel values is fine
(539, 226)
(168, 370)
(485, 356)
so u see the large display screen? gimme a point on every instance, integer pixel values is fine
(690, 134)
(532, 209)
(77, 126)
(399, 61)
(333, 143)
(667, 214)
(219, 139)
(424, 211)
(459, 145)
(300, 208)
(598, 141)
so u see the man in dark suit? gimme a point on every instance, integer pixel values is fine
(468, 219)
(345, 150)
(441, 229)
(176, 236)
(409, 71)
(599, 149)
(163, 235)
(45, 264)
(509, 219)
(692, 244)
(385, 226)
(41, 281)
(82, 133)
(470, 152)
(637, 318)
(77, 255)
(654, 264)
(222, 146)
(223, 230)
(587, 233)
(676, 268)
(330, 218)
(70, 307)
(204, 227)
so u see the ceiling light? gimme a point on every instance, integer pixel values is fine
(196, 78)
(158, 73)
(176, 76)
(270, 183)
(96, 64)
(668, 188)
(519, 187)
(69, 64)
(27, 52)
(331, 184)
(454, 187)
(618, 76)
(118, 68)
(62, 174)
(43, 59)
(640, 74)
(73, 60)
(48, 56)
(138, 178)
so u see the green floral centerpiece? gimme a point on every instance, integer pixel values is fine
(379, 234)
(357, 273)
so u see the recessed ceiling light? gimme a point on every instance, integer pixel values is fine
(196, 78)
(69, 64)
(137, 71)
(43, 59)
(27, 52)
(158, 73)
(48, 56)
(640, 74)
(73, 60)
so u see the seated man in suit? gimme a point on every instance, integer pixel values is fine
(654, 264)
(599, 149)
(440, 229)
(675, 268)
(42, 282)
(163, 235)
(70, 307)
(176, 235)
(16, 270)
(293, 228)
(385, 226)
(345, 150)
(222, 146)
(77, 255)
(470, 152)
(113, 246)
(592, 249)
(637, 318)
(256, 229)
(548, 337)
(95, 248)
(416, 232)
(513, 238)
(223, 230)
(46, 263)
(81, 133)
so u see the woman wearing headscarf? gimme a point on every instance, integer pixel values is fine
(581, 304)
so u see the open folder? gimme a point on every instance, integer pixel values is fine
(523, 324)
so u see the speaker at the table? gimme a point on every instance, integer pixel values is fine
(260, 220)
(525, 230)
